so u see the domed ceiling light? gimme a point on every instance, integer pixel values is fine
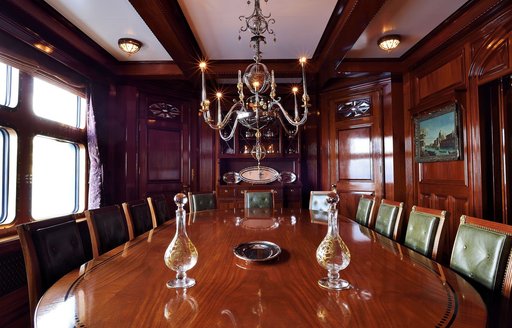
(129, 45)
(389, 42)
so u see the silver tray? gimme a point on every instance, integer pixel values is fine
(257, 251)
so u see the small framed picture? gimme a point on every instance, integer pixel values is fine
(437, 135)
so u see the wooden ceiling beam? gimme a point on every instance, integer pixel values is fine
(229, 68)
(351, 65)
(349, 21)
(151, 70)
(166, 20)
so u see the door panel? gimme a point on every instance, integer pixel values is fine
(356, 153)
(164, 148)
(164, 156)
(356, 142)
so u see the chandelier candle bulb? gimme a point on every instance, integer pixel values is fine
(202, 66)
(219, 111)
(295, 90)
(302, 61)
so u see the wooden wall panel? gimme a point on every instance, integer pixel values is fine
(447, 75)
(164, 155)
(358, 143)
(453, 173)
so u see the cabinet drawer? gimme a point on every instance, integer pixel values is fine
(226, 192)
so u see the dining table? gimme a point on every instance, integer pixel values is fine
(389, 284)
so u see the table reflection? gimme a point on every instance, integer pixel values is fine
(181, 310)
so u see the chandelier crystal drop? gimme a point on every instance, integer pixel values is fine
(259, 109)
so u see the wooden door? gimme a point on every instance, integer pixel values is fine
(496, 134)
(356, 148)
(164, 147)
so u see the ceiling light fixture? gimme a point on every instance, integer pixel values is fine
(130, 46)
(44, 47)
(258, 110)
(389, 42)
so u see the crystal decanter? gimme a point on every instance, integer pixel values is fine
(181, 254)
(332, 253)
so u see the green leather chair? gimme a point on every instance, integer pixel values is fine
(481, 253)
(425, 230)
(259, 198)
(364, 212)
(389, 218)
(318, 201)
(202, 201)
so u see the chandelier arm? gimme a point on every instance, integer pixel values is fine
(288, 132)
(231, 134)
(287, 116)
(226, 119)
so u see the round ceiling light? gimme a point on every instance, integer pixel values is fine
(389, 42)
(128, 45)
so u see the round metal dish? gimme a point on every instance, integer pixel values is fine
(257, 251)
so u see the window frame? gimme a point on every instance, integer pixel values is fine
(25, 124)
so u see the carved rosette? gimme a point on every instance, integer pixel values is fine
(353, 109)
(163, 110)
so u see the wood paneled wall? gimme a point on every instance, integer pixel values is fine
(375, 168)
(453, 75)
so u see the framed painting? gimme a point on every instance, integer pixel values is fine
(437, 135)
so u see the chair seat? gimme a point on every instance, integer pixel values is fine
(421, 233)
(318, 201)
(202, 201)
(259, 199)
(480, 255)
(365, 210)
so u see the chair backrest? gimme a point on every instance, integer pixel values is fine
(364, 212)
(481, 253)
(201, 201)
(138, 217)
(318, 201)
(425, 231)
(259, 198)
(108, 228)
(160, 209)
(389, 218)
(51, 248)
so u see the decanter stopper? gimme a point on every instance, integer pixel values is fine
(180, 199)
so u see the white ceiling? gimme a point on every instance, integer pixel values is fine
(299, 26)
(412, 19)
(106, 21)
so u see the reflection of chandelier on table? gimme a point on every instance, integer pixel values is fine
(258, 110)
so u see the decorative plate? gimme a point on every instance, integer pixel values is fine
(231, 177)
(259, 175)
(287, 177)
(257, 251)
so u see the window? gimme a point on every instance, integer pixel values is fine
(57, 177)
(8, 145)
(9, 85)
(48, 119)
(57, 104)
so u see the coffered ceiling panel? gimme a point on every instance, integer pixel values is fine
(106, 21)
(298, 27)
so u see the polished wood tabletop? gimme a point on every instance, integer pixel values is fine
(390, 285)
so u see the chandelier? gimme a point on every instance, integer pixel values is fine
(259, 109)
